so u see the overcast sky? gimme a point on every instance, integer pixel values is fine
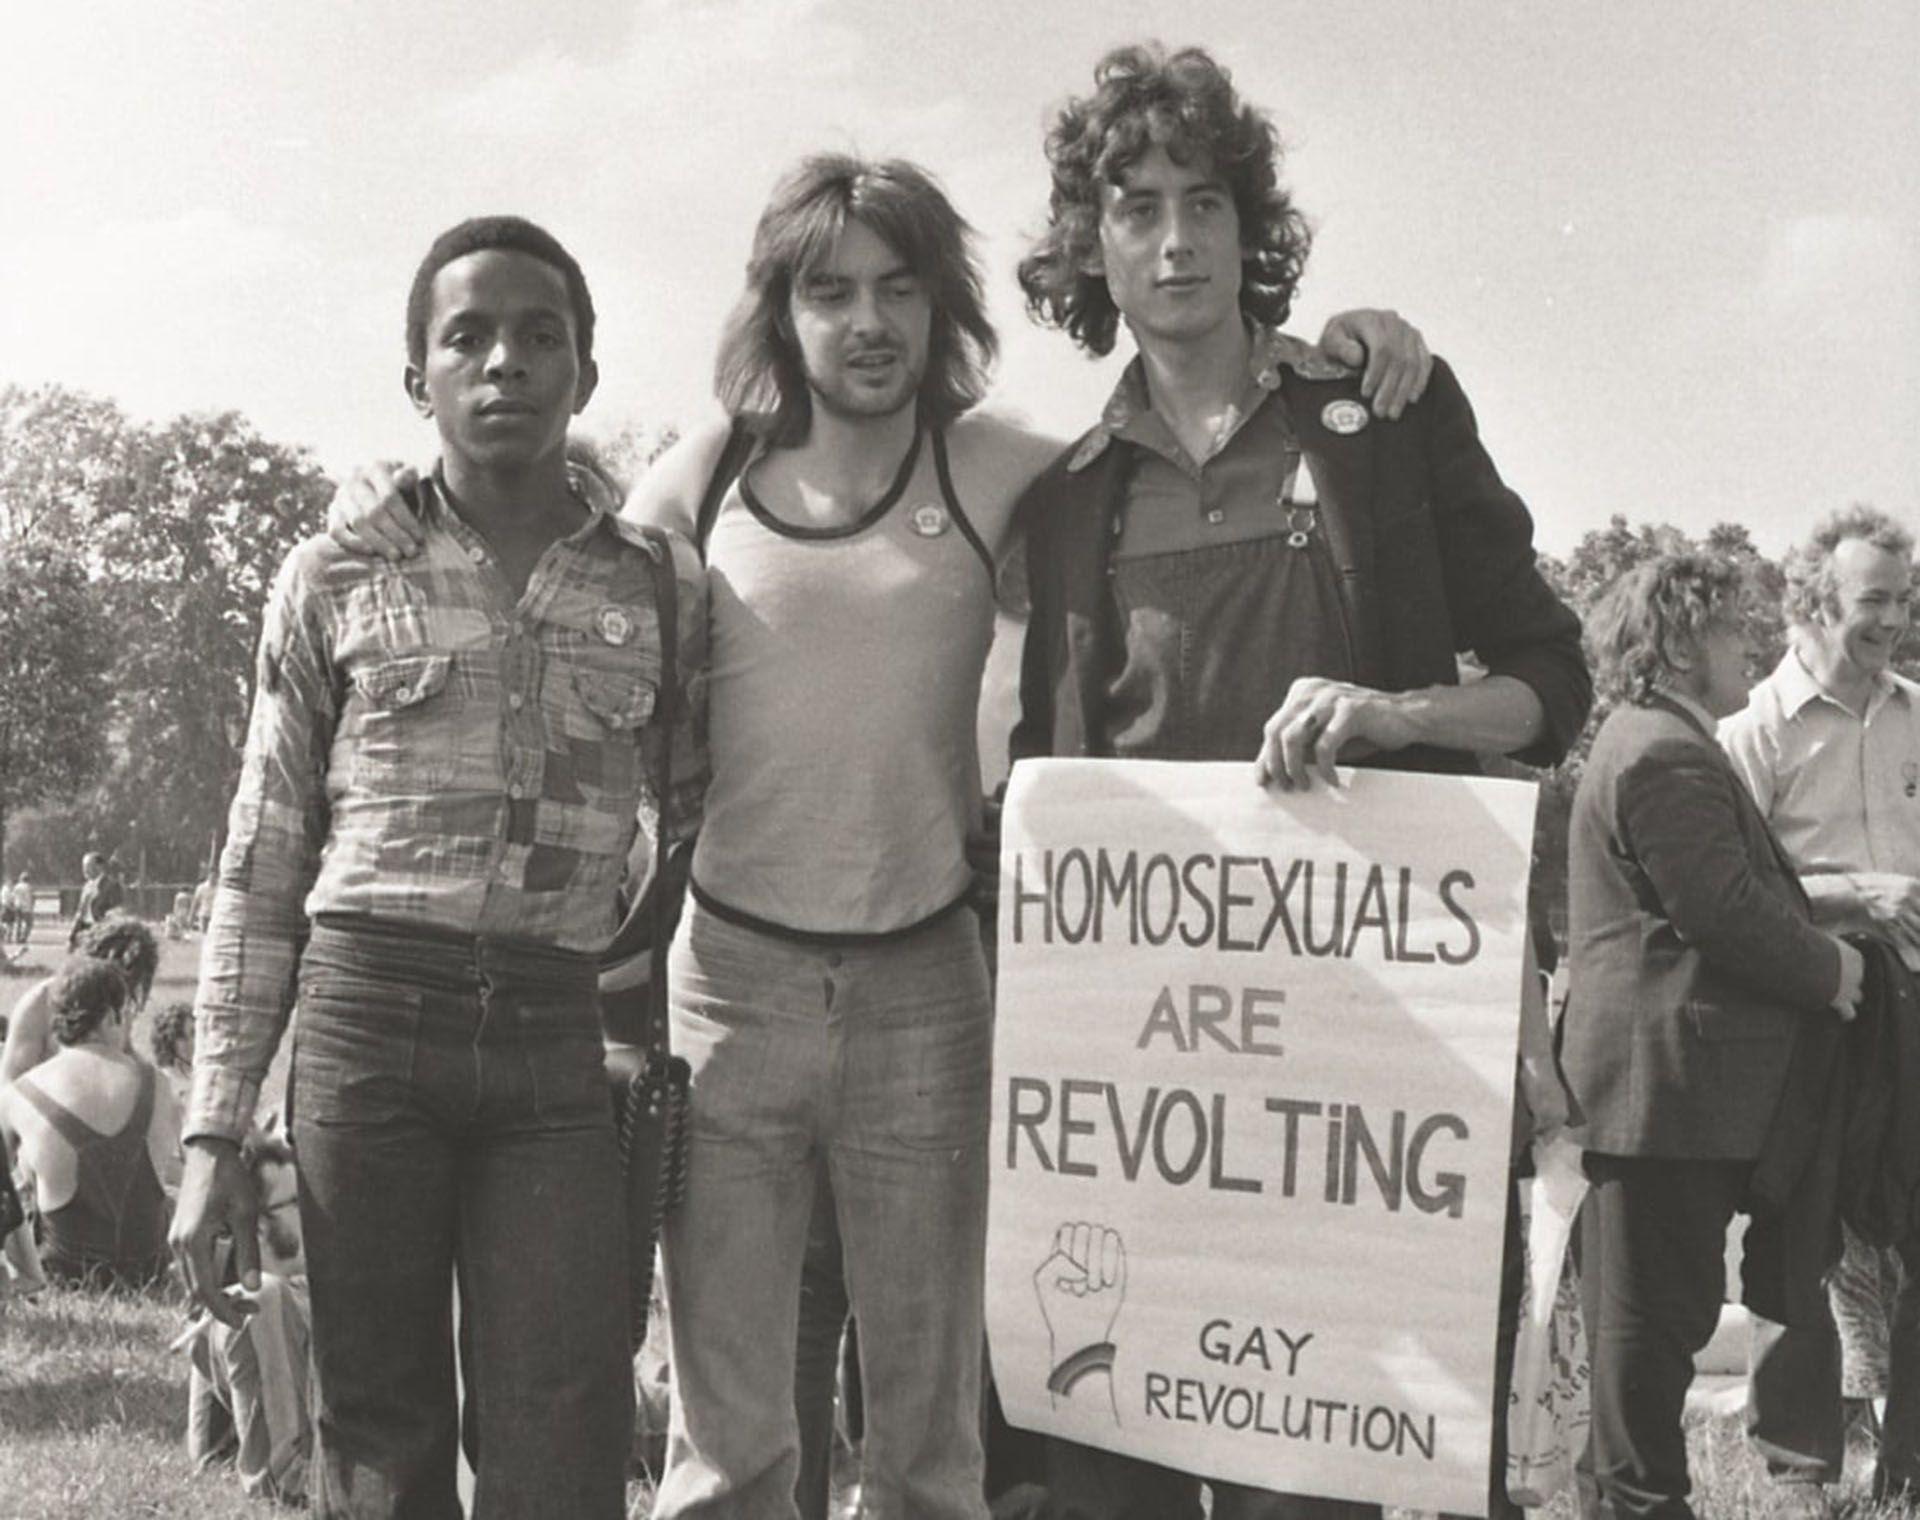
(1672, 250)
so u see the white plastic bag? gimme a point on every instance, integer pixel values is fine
(1548, 1407)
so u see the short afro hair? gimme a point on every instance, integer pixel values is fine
(509, 234)
(170, 1038)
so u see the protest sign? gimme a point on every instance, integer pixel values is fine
(1253, 1076)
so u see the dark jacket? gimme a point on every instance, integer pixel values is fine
(1844, 1145)
(1692, 953)
(1435, 553)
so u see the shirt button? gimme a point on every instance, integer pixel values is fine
(515, 789)
(477, 555)
(516, 701)
(1216, 517)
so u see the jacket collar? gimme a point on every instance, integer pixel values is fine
(1129, 412)
(1685, 707)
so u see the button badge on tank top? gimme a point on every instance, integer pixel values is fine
(1343, 416)
(614, 625)
(929, 519)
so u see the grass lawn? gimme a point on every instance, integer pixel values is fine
(93, 1404)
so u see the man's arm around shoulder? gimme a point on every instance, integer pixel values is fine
(1501, 606)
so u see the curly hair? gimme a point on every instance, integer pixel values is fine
(1808, 567)
(507, 234)
(759, 368)
(85, 993)
(129, 944)
(1145, 97)
(1667, 601)
(170, 1038)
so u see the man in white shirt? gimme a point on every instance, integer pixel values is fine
(1829, 745)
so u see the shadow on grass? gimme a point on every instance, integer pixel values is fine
(49, 1335)
(105, 1400)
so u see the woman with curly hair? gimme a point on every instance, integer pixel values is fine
(119, 938)
(1692, 960)
(99, 1133)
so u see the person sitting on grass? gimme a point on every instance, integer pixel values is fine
(99, 1133)
(20, 1270)
(247, 1391)
(170, 1041)
(119, 938)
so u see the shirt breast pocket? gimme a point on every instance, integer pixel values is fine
(617, 699)
(613, 702)
(403, 729)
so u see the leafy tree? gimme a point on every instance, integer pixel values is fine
(65, 458)
(54, 653)
(185, 572)
(625, 455)
(179, 529)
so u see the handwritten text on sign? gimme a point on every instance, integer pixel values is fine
(1252, 1081)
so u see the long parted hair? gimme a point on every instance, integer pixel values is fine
(759, 369)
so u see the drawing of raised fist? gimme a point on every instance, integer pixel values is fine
(1081, 1285)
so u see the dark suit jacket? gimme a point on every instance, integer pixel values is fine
(1435, 554)
(1692, 952)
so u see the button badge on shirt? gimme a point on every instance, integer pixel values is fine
(614, 625)
(930, 520)
(1343, 416)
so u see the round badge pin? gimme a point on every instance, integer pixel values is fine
(615, 625)
(1343, 416)
(930, 520)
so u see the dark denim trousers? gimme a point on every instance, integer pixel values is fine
(450, 1116)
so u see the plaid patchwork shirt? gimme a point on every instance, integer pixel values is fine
(425, 750)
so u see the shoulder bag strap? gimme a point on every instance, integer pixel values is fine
(733, 459)
(666, 603)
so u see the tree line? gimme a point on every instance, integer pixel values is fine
(134, 565)
(135, 561)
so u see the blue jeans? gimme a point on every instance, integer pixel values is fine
(450, 1115)
(873, 1058)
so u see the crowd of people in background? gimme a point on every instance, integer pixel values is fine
(90, 1152)
(773, 650)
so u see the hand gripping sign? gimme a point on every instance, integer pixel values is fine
(1253, 1069)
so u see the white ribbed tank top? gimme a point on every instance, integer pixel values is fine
(844, 679)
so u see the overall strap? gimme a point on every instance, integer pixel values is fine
(734, 455)
(62, 1120)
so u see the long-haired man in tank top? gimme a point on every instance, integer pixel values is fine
(827, 980)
